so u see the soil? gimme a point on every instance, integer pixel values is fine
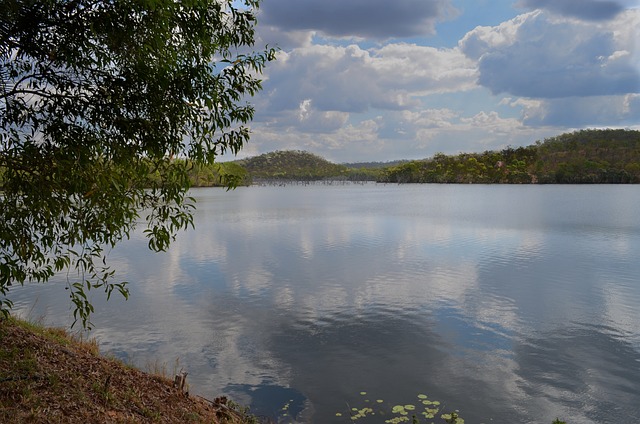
(48, 376)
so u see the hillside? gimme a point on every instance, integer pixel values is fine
(48, 376)
(582, 157)
(604, 156)
(291, 165)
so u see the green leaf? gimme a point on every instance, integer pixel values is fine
(128, 121)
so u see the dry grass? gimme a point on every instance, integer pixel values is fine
(49, 376)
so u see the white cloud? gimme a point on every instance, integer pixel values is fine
(537, 56)
(285, 40)
(432, 124)
(423, 70)
(431, 118)
(352, 79)
(405, 135)
(578, 112)
(535, 75)
(483, 39)
(309, 119)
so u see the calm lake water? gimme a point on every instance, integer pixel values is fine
(510, 303)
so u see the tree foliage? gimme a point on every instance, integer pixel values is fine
(291, 165)
(97, 99)
(224, 174)
(590, 156)
(581, 157)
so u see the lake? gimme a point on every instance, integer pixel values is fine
(509, 303)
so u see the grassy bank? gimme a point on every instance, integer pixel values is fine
(49, 376)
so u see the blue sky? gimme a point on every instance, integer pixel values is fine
(378, 80)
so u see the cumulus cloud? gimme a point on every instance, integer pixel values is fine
(405, 134)
(536, 56)
(352, 79)
(362, 98)
(284, 40)
(308, 118)
(430, 118)
(352, 141)
(593, 10)
(579, 112)
(378, 19)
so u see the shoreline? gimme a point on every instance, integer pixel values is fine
(48, 375)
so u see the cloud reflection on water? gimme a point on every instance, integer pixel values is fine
(452, 293)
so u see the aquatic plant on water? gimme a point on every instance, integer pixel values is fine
(423, 411)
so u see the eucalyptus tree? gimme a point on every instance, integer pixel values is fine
(97, 100)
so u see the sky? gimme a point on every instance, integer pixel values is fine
(381, 80)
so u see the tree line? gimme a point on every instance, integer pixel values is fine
(610, 156)
(582, 157)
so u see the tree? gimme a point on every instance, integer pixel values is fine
(97, 99)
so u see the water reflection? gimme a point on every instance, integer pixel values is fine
(509, 303)
(583, 371)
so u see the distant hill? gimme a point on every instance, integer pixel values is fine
(581, 157)
(291, 165)
(590, 156)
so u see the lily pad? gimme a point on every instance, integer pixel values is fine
(398, 409)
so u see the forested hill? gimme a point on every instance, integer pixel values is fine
(582, 157)
(291, 165)
(587, 156)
